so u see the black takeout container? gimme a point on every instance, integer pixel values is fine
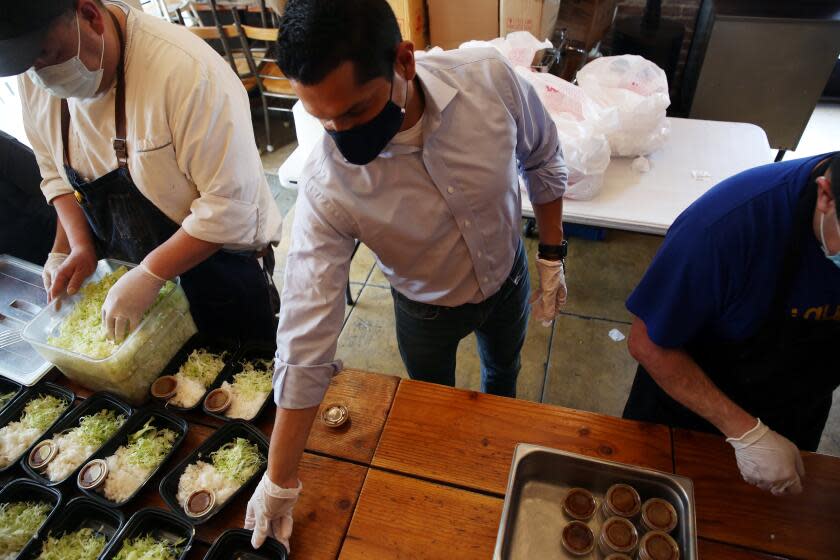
(161, 524)
(9, 386)
(25, 490)
(236, 543)
(250, 352)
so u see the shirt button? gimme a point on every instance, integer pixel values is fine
(450, 190)
(467, 223)
(486, 279)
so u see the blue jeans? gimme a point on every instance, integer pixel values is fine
(428, 335)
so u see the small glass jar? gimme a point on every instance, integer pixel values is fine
(659, 515)
(621, 500)
(577, 538)
(617, 534)
(579, 504)
(657, 545)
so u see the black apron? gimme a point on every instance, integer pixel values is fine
(230, 294)
(785, 374)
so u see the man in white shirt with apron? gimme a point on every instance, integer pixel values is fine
(144, 140)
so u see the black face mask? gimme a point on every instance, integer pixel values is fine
(361, 144)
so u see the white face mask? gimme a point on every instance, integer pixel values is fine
(70, 78)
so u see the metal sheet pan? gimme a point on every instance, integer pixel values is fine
(22, 296)
(532, 518)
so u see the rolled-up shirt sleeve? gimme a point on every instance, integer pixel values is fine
(538, 149)
(312, 312)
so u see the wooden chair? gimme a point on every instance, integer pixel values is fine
(238, 61)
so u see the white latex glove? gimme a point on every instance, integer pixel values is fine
(128, 300)
(551, 294)
(269, 512)
(54, 260)
(769, 460)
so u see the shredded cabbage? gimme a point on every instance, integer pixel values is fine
(40, 413)
(148, 446)
(203, 366)
(238, 460)
(5, 398)
(83, 544)
(82, 330)
(96, 429)
(254, 379)
(18, 523)
(147, 547)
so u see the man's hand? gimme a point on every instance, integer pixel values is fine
(54, 261)
(69, 276)
(550, 297)
(128, 300)
(769, 460)
(269, 512)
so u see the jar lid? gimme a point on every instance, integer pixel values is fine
(659, 515)
(623, 500)
(42, 454)
(93, 474)
(165, 387)
(199, 503)
(620, 534)
(577, 538)
(218, 400)
(579, 503)
(657, 545)
(335, 415)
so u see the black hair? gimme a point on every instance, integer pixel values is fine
(316, 36)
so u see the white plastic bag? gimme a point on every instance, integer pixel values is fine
(581, 127)
(518, 47)
(638, 89)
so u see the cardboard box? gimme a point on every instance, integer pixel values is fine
(536, 16)
(587, 21)
(454, 22)
(411, 17)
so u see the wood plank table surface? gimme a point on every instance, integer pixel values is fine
(730, 510)
(465, 438)
(367, 396)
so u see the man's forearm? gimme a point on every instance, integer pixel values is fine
(549, 218)
(72, 222)
(685, 382)
(178, 254)
(288, 440)
(61, 243)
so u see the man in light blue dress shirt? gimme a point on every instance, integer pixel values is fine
(420, 162)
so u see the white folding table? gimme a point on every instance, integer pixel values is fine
(650, 202)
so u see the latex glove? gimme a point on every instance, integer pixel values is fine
(68, 277)
(551, 294)
(269, 512)
(128, 300)
(769, 460)
(54, 261)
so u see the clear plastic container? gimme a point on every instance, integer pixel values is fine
(137, 362)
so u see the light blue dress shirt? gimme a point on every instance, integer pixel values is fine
(443, 219)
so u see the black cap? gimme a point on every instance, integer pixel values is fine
(23, 24)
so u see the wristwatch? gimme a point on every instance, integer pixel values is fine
(553, 252)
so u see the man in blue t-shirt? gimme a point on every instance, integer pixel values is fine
(738, 315)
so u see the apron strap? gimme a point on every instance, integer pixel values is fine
(120, 147)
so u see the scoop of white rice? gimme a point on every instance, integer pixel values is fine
(204, 476)
(189, 391)
(241, 407)
(15, 438)
(124, 477)
(71, 453)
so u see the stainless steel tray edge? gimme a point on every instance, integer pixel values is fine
(522, 450)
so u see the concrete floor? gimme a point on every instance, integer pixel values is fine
(579, 366)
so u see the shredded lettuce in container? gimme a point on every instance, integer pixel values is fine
(40, 413)
(5, 398)
(148, 446)
(75, 446)
(82, 330)
(203, 366)
(238, 460)
(147, 547)
(254, 379)
(83, 544)
(18, 523)
(96, 429)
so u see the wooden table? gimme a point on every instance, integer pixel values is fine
(421, 472)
